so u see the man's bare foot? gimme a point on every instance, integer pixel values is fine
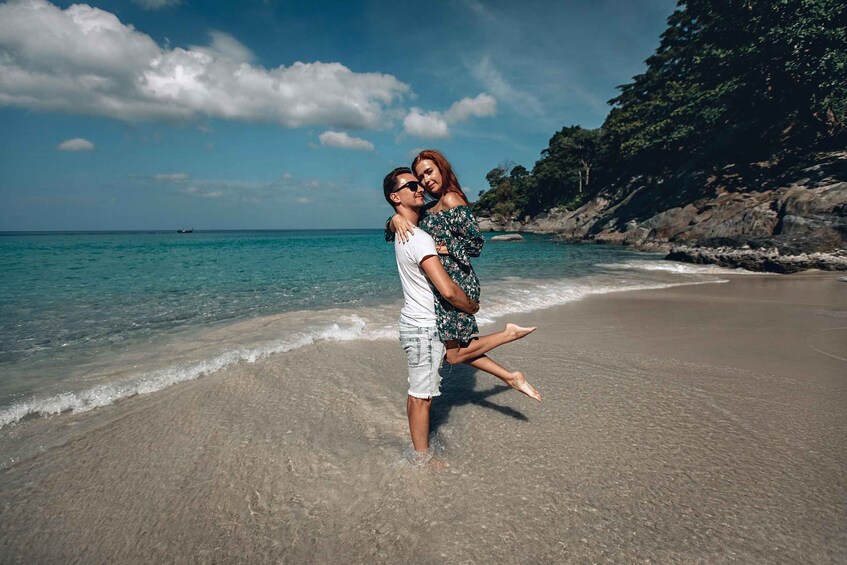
(437, 464)
(424, 458)
(519, 331)
(519, 383)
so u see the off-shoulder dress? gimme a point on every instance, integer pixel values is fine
(459, 231)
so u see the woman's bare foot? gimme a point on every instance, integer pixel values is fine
(519, 331)
(519, 383)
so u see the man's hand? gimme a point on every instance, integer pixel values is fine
(451, 292)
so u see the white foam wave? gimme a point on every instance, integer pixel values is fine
(252, 340)
(346, 329)
(675, 267)
(541, 295)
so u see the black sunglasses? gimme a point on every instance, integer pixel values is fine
(412, 185)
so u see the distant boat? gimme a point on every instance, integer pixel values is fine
(185, 231)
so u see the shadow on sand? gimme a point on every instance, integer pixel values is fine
(457, 389)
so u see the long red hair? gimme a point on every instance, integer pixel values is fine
(448, 177)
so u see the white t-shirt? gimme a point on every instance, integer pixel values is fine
(419, 307)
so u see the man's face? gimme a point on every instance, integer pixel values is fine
(406, 194)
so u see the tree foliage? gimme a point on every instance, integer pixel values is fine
(506, 197)
(731, 81)
(734, 80)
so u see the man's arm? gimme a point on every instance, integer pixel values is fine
(451, 292)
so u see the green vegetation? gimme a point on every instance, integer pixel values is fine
(732, 81)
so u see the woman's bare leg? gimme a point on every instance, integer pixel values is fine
(514, 379)
(456, 353)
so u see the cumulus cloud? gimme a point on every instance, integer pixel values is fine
(482, 106)
(436, 125)
(224, 46)
(425, 124)
(76, 144)
(342, 140)
(156, 4)
(84, 60)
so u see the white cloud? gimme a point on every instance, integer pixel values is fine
(482, 106)
(171, 177)
(156, 4)
(342, 140)
(83, 60)
(225, 46)
(286, 189)
(436, 125)
(522, 102)
(425, 124)
(76, 144)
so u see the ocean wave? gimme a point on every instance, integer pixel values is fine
(210, 350)
(346, 329)
(675, 267)
(542, 295)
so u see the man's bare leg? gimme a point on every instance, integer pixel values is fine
(481, 345)
(514, 379)
(418, 411)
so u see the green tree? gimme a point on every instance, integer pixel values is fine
(735, 80)
(507, 194)
(563, 174)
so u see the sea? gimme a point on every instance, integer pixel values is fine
(87, 319)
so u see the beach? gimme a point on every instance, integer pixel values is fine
(694, 424)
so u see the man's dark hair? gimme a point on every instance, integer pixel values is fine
(391, 179)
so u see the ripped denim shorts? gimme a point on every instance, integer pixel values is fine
(424, 353)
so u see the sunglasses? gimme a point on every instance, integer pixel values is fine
(412, 185)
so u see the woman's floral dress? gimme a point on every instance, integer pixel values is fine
(458, 230)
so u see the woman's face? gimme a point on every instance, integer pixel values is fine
(429, 175)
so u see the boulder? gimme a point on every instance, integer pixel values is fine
(508, 237)
(768, 260)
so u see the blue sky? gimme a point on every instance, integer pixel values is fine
(161, 114)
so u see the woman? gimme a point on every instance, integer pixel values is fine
(453, 227)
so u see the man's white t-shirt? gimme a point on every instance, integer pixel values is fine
(419, 307)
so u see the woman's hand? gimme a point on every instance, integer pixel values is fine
(442, 249)
(403, 229)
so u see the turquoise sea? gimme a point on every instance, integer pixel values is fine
(89, 318)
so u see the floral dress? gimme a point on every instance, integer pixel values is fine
(458, 230)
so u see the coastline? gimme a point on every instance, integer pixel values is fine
(693, 423)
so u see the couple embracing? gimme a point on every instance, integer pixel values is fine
(432, 245)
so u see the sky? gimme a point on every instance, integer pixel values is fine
(272, 114)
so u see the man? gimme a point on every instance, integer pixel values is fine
(418, 265)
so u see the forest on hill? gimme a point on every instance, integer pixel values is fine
(732, 82)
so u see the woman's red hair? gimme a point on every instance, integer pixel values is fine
(448, 177)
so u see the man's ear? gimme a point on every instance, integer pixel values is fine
(394, 197)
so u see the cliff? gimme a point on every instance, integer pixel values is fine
(779, 217)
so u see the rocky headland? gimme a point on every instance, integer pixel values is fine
(775, 217)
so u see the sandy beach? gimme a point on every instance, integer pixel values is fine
(696, 424)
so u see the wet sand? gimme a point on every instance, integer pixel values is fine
(699, 424)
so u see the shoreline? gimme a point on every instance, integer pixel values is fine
(194, 353)
(692, 423)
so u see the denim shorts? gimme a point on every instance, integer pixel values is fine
(424, 352)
